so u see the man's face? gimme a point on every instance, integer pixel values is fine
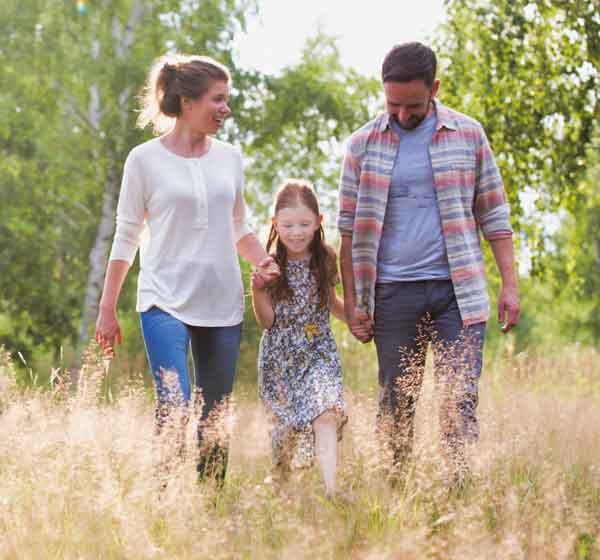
(409, 102)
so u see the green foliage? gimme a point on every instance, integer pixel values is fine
(68, 120)
(528, 70)
(573, 267)
(303, 115)
(67, 111)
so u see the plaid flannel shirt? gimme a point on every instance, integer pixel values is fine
(470, 196)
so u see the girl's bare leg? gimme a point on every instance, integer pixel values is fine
(326, 442)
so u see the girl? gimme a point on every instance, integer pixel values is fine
(185, 189)
(300, 376)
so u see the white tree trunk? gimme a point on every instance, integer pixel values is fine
(123, 40)
(97, 262)
(97, 259)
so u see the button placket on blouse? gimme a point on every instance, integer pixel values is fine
(200, 194)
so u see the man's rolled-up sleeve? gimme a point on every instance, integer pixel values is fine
(491, 207)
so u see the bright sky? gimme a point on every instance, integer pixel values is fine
(365, 30)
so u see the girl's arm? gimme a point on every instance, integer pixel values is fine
(261, 303)
(336, 305)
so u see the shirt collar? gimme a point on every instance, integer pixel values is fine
(444, 118)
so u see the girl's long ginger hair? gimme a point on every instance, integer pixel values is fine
(291, 194)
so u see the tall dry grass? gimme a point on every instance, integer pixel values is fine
(78, 477)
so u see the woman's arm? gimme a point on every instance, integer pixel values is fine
(131, 211)
(108, 330)
(261, 303)
(249, 248)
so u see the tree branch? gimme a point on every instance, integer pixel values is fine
(73, 106)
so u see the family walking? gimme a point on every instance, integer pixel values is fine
(418, 186)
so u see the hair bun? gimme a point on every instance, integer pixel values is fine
(169, 69)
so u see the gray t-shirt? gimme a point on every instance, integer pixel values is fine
(412, 244)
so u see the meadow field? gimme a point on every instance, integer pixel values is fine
(82, 473)
(77, 475)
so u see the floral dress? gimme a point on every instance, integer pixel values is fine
(300, 374)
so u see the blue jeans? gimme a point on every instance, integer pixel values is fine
(408, 317)
(215, 352)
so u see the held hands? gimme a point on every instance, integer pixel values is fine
(361, 325)
(509, 309)
(108, 331)
(265, 273)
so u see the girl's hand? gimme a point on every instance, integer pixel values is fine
(361, 325)
(257, 281)
(362, 333)
(268, 271)
(108, 331)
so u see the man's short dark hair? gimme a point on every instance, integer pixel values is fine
(408, 62)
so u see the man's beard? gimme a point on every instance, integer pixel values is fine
(415, 121)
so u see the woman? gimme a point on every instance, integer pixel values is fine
(183, 190)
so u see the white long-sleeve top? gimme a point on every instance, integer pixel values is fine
(186, 215)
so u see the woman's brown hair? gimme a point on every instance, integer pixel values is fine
(291, 194)
(172, 77)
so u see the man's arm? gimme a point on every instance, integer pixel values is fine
(359, 322)
(491, 208)
(509, 309)
(492, 213)
(347, 273)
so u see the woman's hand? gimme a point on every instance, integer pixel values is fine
(266, 272)
(108, 330)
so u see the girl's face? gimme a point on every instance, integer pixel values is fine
(207, 114)
(296, 228)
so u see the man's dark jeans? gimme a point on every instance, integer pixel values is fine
(408, 317)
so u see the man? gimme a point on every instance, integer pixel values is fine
(419, 183)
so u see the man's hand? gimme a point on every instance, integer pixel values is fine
(509, 309)
(361, 325)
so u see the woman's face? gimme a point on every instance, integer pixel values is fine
(207, 114)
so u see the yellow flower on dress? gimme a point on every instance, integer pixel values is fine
(311, 330)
